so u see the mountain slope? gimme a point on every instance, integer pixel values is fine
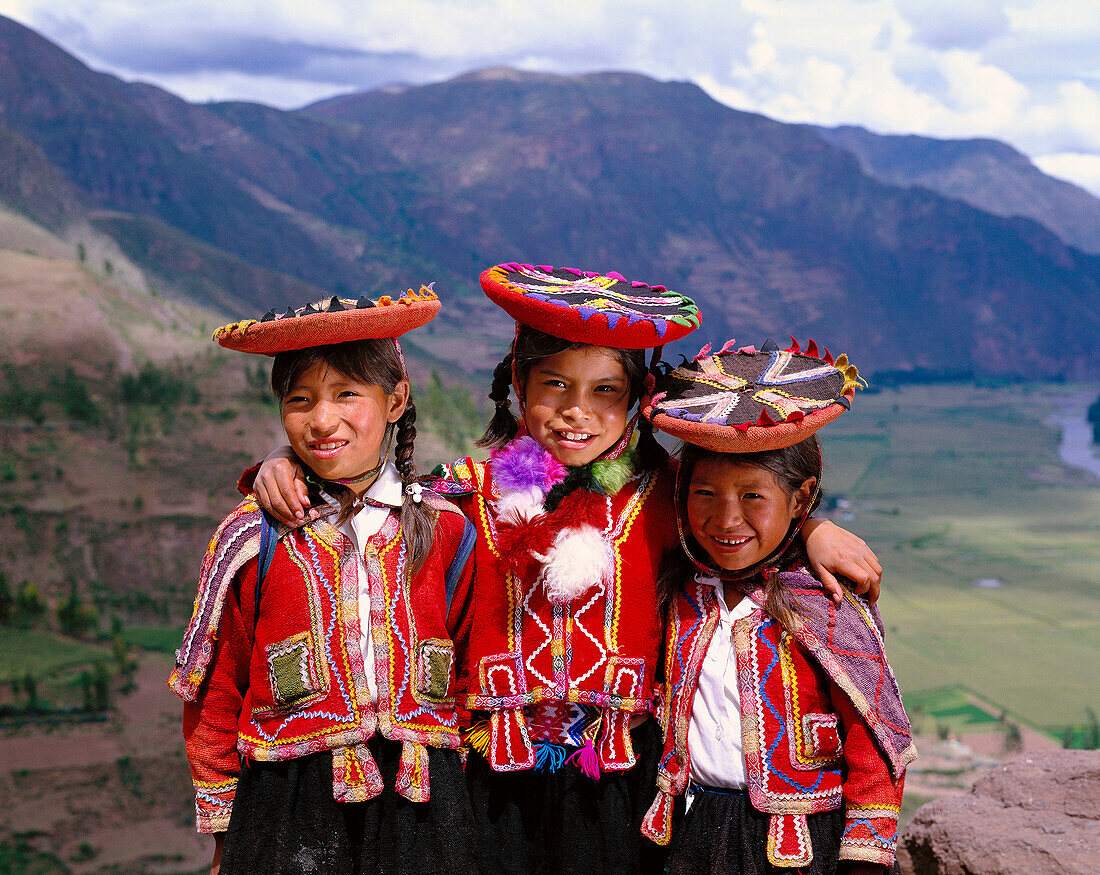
(95, 133)
(773, 229)
(986, 174)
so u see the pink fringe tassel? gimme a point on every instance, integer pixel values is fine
(586, 760)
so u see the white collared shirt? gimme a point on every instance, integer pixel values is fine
(714, 734)
(387, 489)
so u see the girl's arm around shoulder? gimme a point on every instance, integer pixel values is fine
(280, 486)
(835, 552)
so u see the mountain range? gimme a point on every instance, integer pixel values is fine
(906, 252)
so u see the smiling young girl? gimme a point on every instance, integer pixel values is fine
(784, 719)
(574, 512)
(317, 670)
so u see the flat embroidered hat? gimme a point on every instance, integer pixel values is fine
(747, 400)
(587, 307)
(334, 320)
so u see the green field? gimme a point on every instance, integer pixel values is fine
(25, 652)
(955, 484)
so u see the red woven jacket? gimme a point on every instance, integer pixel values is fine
(288, 680)
(821, 719)
(600, 649)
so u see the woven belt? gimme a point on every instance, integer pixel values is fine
(721, 791)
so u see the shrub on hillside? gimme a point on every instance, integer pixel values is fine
(7, 601)
(449, 411)
(18, 400)
(75, 618)
(164, 388)
(71, 392)
(29, 604)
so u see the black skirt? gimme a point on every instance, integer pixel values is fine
(531, 821)
(722, 834)
(285, 820)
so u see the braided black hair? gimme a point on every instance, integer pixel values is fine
(503, 426)
(417, 518)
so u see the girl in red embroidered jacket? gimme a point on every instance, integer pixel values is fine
(318, 669)
(574, 512)
(784, 723)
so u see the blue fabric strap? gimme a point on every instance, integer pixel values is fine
(269, 537)
(465, 547)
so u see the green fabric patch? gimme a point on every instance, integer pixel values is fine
(288, 672)
(435, 670)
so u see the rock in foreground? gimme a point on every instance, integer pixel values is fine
(1037, 814)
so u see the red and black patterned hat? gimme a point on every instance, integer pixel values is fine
(587, 307)
(335, 320)
(747, 400)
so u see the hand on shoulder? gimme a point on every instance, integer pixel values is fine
(281, 487)
(834, 552)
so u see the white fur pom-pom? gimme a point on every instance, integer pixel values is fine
(578, 559)
(519, 507)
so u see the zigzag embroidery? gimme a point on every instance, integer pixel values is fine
(779, 718)
(314, 575)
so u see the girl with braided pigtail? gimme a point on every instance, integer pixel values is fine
(318, 669)
(783, 721)
(417, 518)
(559, 660)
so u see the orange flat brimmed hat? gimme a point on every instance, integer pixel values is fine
(334, 320)
(747, 400)
(583, 306)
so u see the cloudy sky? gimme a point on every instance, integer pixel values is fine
(1023, 71)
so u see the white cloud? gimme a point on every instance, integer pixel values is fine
(1076, 167)
(272, 90)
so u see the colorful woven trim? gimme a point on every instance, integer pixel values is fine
(748, 400)
(336, 320)
(564, 301)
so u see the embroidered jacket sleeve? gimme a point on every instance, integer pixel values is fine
(456, 482)
(247, 481)
(872, 796)
(210, 722)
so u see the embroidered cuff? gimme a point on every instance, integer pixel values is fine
(657, 823)
(213, 805)
(870, 835)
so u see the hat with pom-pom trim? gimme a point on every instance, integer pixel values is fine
(747, 400)
(334, 320)
(588, 307)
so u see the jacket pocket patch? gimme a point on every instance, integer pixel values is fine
(623, 679)
(820, 738)
(434, 664)
(502, 675)
(292, 669)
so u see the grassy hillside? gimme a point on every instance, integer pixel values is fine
(990, 546)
